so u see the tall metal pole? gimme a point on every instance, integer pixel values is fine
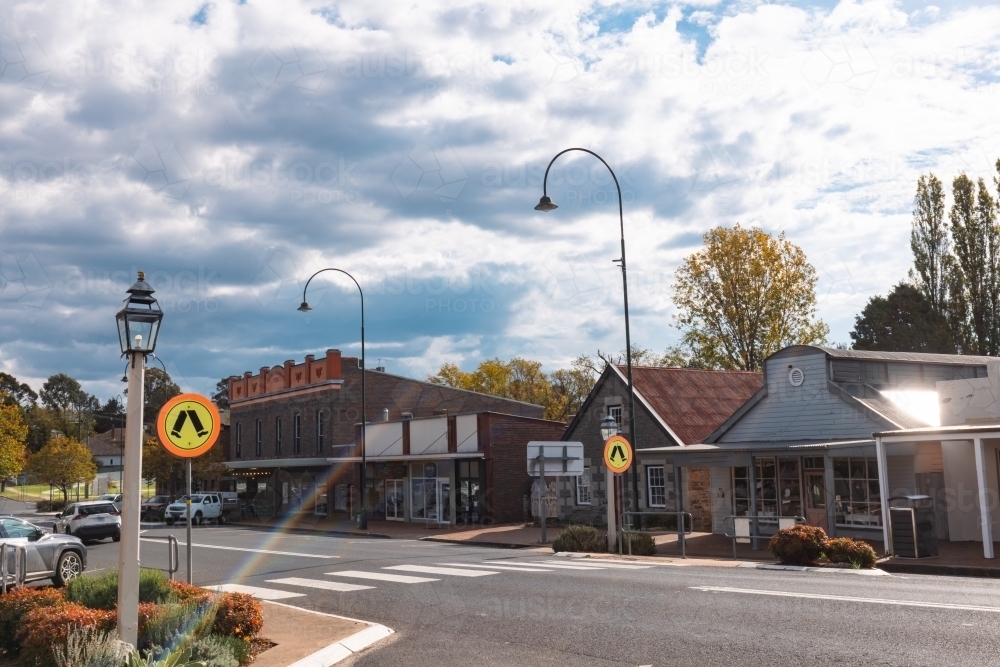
(128, 553)
(363, 518)
(190, 558)
(628, 336)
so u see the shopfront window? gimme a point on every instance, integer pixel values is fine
(779, 487)
(857, 497)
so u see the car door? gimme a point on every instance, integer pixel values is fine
(23, 533)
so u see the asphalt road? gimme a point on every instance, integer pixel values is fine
(532, 609)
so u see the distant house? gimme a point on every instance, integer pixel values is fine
(674, 407)
(106, 448)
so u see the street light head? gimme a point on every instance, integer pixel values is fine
(139, 319)
(609, 428)
(124, 378)
(545, 204)
(305, 307)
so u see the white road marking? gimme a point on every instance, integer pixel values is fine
(319, 583)
(498, 567)
(381, 576)
(449, 571)
(845, 598)
(597, 564)
(259, 551)
(259, 593)
(560, 566)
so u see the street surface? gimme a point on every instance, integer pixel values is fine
(459, 605)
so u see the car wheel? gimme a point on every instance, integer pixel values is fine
(70, 565)
(117, 537)
(222, 519)
(198, 518)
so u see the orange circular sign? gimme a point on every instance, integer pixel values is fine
(617, 454)
(188, 425)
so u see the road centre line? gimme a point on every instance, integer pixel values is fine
(317, 583)
(497, 567)
(256, 551)
(440, 570)
(845, 598)
(381, 576)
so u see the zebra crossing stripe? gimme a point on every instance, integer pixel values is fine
(599, 564)
(498, 567)
(559, 566)
(319, 583)
(448, 571)
(382, 576)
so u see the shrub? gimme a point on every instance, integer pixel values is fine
(239, 615)
(177, 624)
(183, 592)
(798, 545)
(848, 550)
(240, 648)
(215, 651)
(45, 629)
(86, 647)
(49, 506)
(580, 538)
(642, 544)
(16, 604)
(101, 592)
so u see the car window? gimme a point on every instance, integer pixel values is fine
(69, 511)
(197, 499)
(16, 528)
(97, 509)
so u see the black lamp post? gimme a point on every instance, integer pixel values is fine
(138, 326)
(546, 204)
(305, 308)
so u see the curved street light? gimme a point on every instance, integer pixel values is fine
(305, 308)
(546, 204)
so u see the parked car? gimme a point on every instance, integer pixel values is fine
(47, 556)
(115, 498)
(204, 506)
(152, 509)
(93, 520)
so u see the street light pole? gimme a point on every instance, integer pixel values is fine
(138, 326)
(546, 204)
(305, 307)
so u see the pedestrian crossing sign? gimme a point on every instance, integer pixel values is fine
(617, 454)
(188, 425)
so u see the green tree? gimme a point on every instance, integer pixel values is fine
(929, 242)
(745, 296)
(221, 395)
(109, 416)
(159, 389)
(17, 393)
(72, 408)
(904, 321)
(13, 437)
(976, 241)
(63, 462)
(160, 465)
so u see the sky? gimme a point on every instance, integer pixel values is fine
(231, 149)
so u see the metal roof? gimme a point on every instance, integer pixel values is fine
(694, 402)
(770, 445)
(917, 357)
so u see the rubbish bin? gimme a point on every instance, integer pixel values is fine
(912, 527)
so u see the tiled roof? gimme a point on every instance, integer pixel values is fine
(694, 403)
(107, 443)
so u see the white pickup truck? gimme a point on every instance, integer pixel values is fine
(204, 507)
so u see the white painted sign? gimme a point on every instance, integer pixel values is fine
(562, 459)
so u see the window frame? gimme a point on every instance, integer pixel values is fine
(277, 436)
(320, 434)
(259, 444)
(583, 484)
(662, 486)
(239, 440)
(297, 433)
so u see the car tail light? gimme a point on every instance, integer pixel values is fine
(78, 516)
(115, 513)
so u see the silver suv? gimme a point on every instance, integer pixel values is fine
(47, 556)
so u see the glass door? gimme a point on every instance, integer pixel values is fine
(444, 500)
(394, 496)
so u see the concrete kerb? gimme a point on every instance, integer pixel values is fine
(826, 570)
(344, 648)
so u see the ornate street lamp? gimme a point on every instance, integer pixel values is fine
(305, 308)
(609, 427)
(546, 204)
(138, 326)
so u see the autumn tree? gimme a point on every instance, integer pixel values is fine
(63, 462)
(13, 437)
(160, 465)
(745, 296)
(904, 321)
(17, 393)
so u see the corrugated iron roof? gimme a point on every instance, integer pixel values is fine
(920, 357)
(694, 402)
